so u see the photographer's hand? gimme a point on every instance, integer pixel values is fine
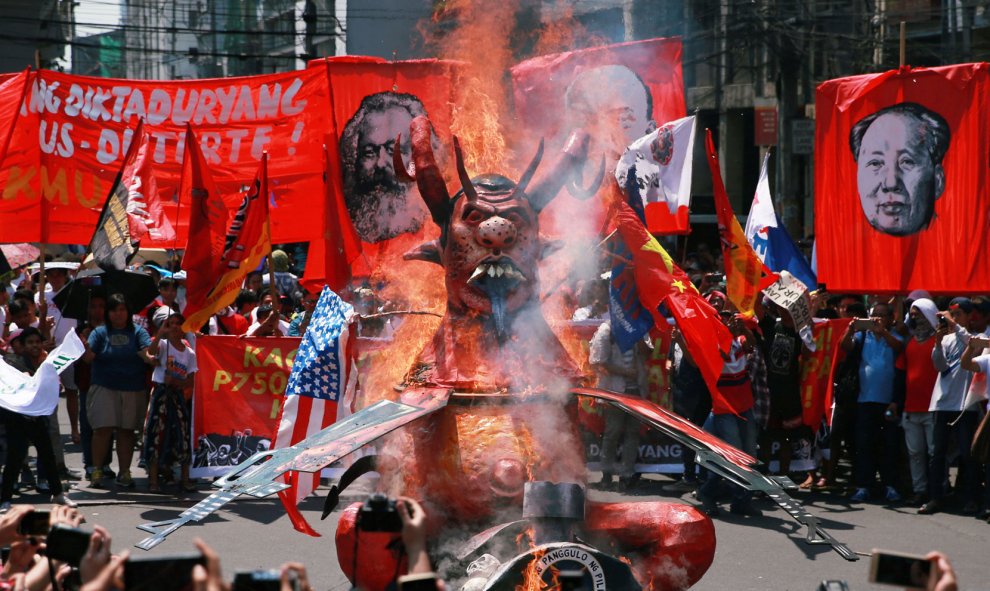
(110, 577)
(97, 556)
(21, 557)
(414, 534)
(10, 521)
(286, 580)
(209, 578)
(60, 514)
(943, 578)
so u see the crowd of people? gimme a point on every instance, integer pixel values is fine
(909, 394)
(131, 390)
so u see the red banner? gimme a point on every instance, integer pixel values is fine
(816, 370)
(901, 186)
(239, 390)
(619, 93)
(374, 100)
(73, 132)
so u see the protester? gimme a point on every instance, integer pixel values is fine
(117, 398)
(731, 419)
(785, 425)
(955, 419)
(23, 429)
(877, 409)
(623, 372)
(692, 400)
(299, 323)
(95, 316)
(920, 376)
(269, 324)
(166, 433)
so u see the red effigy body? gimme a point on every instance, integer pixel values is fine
(511, 419)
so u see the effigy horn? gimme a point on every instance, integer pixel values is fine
(527, 175)
(462, 174)
(432, 187)
(582, 193)
(569, 165)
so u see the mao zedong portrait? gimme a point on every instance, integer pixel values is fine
(381, 206)
(899, 175)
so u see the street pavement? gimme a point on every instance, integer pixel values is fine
(767, 552)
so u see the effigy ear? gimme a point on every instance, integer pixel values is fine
(427, 251)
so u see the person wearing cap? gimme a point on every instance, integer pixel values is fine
(955, 418)
(920, 375)
(268, 324)
(166, 432)
(23, 430)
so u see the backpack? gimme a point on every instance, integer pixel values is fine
(846, 384)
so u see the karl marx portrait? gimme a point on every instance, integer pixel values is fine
(381, 207)
(899, 175)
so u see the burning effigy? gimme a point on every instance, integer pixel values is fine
(507, 437)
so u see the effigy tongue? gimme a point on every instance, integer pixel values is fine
(496, 291)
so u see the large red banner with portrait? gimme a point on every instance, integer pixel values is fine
(618, 92)
(73, 131)
(901, 194)
(238, 392)
(374, 100)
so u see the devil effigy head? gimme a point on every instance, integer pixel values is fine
(490, 244)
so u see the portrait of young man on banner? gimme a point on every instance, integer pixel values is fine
(901, 176)
(381, 207)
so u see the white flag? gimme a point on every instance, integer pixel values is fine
(656, 169)
(37, 395)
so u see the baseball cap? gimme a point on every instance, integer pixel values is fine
(963, 303)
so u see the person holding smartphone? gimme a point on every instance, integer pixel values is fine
(955, 417)
(877, 408)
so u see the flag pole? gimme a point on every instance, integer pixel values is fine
(903, 53)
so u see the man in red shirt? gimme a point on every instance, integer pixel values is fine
(920, 373)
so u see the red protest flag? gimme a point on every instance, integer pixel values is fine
(745, 273)
(247, 243)
(660, 281)
(145, 214)
(12, 93)
(900, 200)
(208, 217)
(329, 260)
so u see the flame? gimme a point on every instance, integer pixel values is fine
(482, 38)
(562, 32)
(531, 579)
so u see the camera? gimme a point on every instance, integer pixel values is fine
(34, 523)
(68, 544)
(379, 514)
(161, 573)
(262, 580)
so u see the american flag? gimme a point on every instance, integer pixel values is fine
(320, 390)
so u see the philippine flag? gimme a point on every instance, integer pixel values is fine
(770, 239)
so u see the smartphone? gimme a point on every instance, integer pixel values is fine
(35, 523)
(942, 322)
(68, 544)
(902, 570)
(418, 582)
(863, 324)
(161, 573)
(979, 342)
(262, 580)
